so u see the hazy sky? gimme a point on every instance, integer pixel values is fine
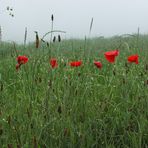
(111, 17)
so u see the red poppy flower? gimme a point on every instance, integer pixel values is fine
(22, 59)
(110, 55)
(98, 64)
(75, 63)
(53, 63)
(133, 58)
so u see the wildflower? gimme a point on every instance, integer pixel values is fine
(53, 63)
(21, 60)
(133, 59)
(110, 55)
(75, 63)
(98, 64)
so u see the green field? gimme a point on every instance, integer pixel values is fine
(72, 107)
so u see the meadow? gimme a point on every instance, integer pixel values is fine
(75, 107)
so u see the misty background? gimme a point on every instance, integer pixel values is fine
(111, 17)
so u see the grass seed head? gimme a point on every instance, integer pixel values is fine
(59, 38)
(54, 39)
(52, 17)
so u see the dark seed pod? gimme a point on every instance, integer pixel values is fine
(37, 40)
(2, 86)
(54, 38)
(59, 38)
(39, 79)
(59, 109)
(114, 72)
(1, 131)
(47, 44)
(52, 17)
(31, 126)
(8, 8)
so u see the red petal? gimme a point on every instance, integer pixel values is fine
(53, 63)
(133, 58)
(22, 59)
(110, 55)
(98, 64)
(75, 63)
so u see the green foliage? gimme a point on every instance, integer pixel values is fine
(74, 107)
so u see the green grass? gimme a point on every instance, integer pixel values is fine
(75, 107)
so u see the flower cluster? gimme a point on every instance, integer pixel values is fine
(110, 56)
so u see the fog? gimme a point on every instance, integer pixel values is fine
(111, 17)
